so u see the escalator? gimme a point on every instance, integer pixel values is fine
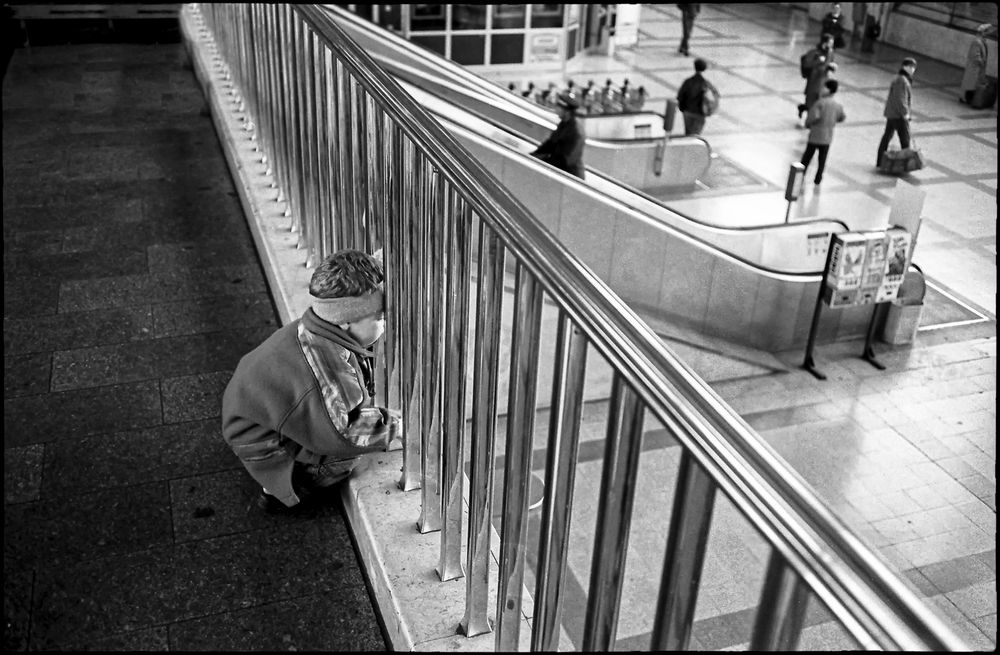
(755, 286)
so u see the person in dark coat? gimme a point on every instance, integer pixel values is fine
(817, 82)
(833, 24)
(897, 109)
(688, 13)
(823, 117)
(690, 97)
(564, 147)
(822, 55)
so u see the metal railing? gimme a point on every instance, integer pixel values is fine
(360, 164)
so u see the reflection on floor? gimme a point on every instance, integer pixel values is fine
(905, 456)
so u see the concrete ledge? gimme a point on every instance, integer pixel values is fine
(420, 612)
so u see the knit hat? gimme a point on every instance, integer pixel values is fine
(350, 308)
(909, 61)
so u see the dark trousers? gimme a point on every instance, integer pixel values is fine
(811, 148)
(687, 23)
(693, 124)
(899, 126)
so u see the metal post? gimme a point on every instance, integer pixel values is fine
(517, 470)
(489, 297)
(690, 520)
(614, 514)
(560, 474)
(781, 610)
(808, 363)
(795, 171)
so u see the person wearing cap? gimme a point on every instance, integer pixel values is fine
(897, 108)
(564, 147)
(691, 96)
(299, 410)
(975, 64)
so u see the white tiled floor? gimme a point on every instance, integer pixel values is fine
(905, 456)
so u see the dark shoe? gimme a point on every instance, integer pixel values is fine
(817, 180)
(271, 505)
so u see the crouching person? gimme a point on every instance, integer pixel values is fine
(299, 411)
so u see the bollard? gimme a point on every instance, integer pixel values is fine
(795, 171)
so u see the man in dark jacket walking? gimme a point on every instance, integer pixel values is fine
(897, 109)
(691, 96)
(564, 147)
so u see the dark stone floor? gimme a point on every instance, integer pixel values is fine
(131, 290)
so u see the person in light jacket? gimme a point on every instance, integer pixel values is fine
(897, 108)
(975, 63)
(823, 116)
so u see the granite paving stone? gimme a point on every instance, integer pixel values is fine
(78, 329)
(82, 265)
(302, 625)
(213, 314)
(146, 640)
(53, 416)
(22, 473)
(61, 531)
(194, 397)
(30, 297)
(25, 375)
(16, 609)
(133, 457)
(218, 503)
(82, 295)
(93, 598)
(156, 358)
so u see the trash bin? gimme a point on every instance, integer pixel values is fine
(903, 317)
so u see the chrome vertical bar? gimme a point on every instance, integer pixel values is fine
(782, 608)
(614, 513)
(687, 541)
(325, 171)
(310, 149)
(486, 368)
(433, 219)
(410, 339)
(390, 254)
(453, 424)
(560, 474)
(517, 469)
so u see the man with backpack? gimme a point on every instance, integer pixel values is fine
(819, 57)
(697, 99)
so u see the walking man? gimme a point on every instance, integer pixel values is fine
(897, 109)
(688, 14)
(823, 116)
(691, 99)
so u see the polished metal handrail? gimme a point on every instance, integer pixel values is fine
(362, 165)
